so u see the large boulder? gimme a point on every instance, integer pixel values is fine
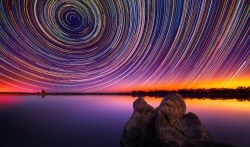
(192, 127)
(173, 107)
(165, 126)
(135, 126)
(159, 132)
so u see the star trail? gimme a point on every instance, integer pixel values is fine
(94, 45)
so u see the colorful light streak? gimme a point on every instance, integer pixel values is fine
(123, 45)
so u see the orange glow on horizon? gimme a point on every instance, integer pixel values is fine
(216, 83)
(219, 105)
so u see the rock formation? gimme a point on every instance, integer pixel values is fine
(167, 125)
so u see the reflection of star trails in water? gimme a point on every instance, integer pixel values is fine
(235, 74)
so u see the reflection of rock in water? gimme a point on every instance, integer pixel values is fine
(167, 125)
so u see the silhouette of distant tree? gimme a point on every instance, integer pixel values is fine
(239, 92)
(43, 93)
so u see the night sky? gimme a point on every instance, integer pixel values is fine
(122, 45)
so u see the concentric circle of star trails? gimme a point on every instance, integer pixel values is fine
(103, 44)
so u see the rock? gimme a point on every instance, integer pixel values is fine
(167, 125)
(141, 106)
(173, 107)
(135, 126)
(192, 127)
(159, 132)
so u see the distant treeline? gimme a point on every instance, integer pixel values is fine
(240, 92)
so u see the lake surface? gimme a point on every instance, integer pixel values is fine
(93, 121)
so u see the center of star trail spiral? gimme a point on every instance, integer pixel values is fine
(96, 45)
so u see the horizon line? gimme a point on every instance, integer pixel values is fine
(244, 87)
(43, 92)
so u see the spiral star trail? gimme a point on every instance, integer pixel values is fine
(94, 45)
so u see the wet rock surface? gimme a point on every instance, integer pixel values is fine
(167, 125)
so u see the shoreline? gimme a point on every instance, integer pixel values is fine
(210, 95)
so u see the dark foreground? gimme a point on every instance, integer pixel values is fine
(94, 121)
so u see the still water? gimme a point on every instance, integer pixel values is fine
(94, 121)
